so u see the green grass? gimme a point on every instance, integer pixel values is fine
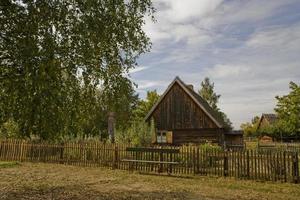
(8, 164)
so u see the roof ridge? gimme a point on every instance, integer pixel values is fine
(202, 103)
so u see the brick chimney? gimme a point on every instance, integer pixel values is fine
(191, 86)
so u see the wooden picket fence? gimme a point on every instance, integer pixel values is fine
(190, 160)
(292, 147)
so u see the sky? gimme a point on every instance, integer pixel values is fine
(250, 49)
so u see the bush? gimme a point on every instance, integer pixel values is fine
(138, 134)
(10, 129)
(210, 147)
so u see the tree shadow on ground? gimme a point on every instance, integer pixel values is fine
(83, 192)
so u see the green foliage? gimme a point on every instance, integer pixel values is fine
(124, 104)
(144, 106)
(250, 128)
(9, 129)
(138, 134)
(227, 122)
(57, 55)
(269, 130)
(207, 93)
(288, 112)
(9, 164)
(210, 147)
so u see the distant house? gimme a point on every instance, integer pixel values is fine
(234, 137)
(182, 116)
(265, 121)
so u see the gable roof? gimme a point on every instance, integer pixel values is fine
(195, 97)
(235, 132)
(270, 117)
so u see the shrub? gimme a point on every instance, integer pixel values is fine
(9, 129)
(138, 134)
(210, 147)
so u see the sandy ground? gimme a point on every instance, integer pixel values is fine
(53, 181)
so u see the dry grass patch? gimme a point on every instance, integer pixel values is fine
(52, 181)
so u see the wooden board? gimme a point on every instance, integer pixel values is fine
(145, 149)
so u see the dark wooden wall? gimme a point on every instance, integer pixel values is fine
(197, 136)
(263, 123)
(234, 139)
(178, 111)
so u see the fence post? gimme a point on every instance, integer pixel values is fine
(225, 164)
(1, 149)
(152, 158)
(31, 152)
(194, 161)
(284, 164)
(248, 165)
(295, 167)
(61, 157)
(198, 160)
(115, 164)
(161, 159)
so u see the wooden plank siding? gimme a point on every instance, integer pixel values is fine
(182, 136)
(179, 113)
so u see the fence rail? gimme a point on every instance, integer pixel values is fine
(292, 147)
(250, 164)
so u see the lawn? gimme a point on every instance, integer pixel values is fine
(53, 181)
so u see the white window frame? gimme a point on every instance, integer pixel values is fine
(161, 137)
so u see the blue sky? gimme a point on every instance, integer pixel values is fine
(249, 48)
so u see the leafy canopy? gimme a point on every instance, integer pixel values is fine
(250, 128)
(207, 93)
(144, 106)
(288, 112)
(55, 56)
(288, 117)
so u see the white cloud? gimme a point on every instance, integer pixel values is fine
(148, 84)
(250, 49)
(154, 31)
(276, 38)
(138, 69)
(224, 71)
(172, 21)
(180, 12)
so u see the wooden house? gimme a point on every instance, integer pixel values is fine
(266, 120)
(182, 116)
(234, 137)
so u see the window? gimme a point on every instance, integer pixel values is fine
(158, 138)
(161, 137)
